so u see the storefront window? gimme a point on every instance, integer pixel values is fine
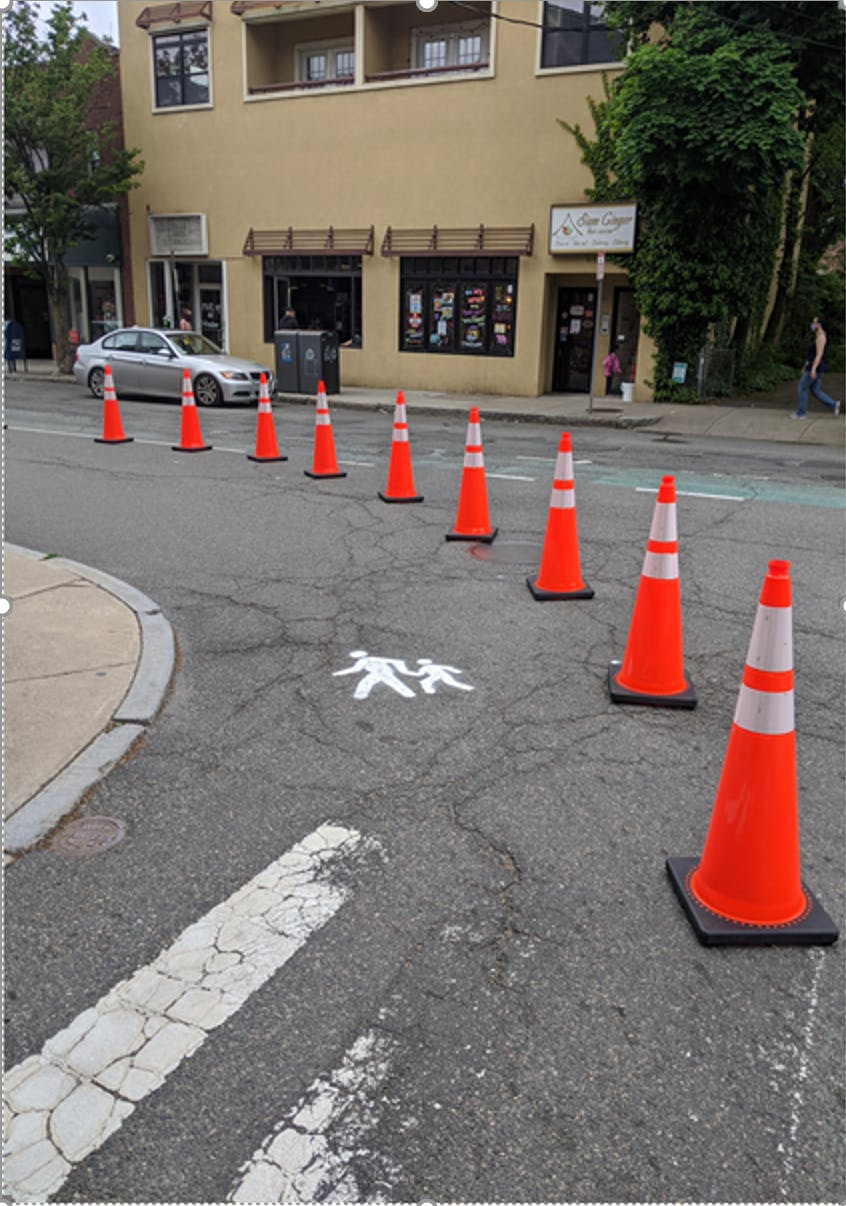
(465, 306)
(324, 292)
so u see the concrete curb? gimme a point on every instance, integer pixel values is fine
(139, 707)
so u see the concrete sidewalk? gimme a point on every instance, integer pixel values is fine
(88, 660)
(764, 418)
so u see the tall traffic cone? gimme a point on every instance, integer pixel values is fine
(400, 485)
(651, 671)
(323, 462)
(746, 886)
(560, 576)
(266, 447)
(190, 438)
(112, 426)
(471, 520)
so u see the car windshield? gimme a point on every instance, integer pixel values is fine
(192, 344)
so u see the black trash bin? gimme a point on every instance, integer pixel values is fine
(318, 355)
(287, 362)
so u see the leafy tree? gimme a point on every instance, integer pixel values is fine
(805, 212)
(58, 166)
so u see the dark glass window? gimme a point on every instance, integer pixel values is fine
(181, 65)
(458, 306)
(574, 33)
(323, 290)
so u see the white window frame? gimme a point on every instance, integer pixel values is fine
(331, 48)
(452, 35)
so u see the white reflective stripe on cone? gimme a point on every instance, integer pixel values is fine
(767, 712)
(564, 467)
(474, 433)
(399, 413)
(321, 419)
(474, 460)
(400, 435)
(264, 408)
(660, 565)
(771, 643)
(664, 523)
(562, 500)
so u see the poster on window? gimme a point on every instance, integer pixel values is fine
(412, 323)
(442, 324)
(473, 317)
(502, 319)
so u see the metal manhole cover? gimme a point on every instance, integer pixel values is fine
(89, 835)
(507, 552)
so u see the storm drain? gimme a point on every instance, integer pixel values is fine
(88, 835)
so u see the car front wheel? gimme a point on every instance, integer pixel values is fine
(95, 382)
(207, 392)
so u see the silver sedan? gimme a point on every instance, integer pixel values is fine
(150, 362)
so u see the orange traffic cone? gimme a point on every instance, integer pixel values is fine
(651, 671)
(746, 886)
(560, 576)
(471, 520)
(112, 426)
(190, 438)
(266, 447)
(400, 485)
(323, 462)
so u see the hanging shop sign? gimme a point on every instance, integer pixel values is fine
(592, 228)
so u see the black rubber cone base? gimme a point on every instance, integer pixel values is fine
(309, 473)
(688, 698)
(199, 448)
(103, 440)
(487, 539)
(411, 499)
(586, 592)
(264, 460)
(813, 928)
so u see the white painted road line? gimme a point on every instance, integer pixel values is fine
(307, 1156)
(61, 1105)
(695, 494)
(511, 477)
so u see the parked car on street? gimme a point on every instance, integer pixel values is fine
(150, 361)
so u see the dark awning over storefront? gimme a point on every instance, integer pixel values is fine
(173, 14)
(329, 240)
(459, 241)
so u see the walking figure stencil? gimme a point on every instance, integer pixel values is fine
(386, 671)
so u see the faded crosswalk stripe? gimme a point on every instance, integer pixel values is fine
(308, 1157)
(61, 1105)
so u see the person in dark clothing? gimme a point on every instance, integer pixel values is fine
(812, 374)
(289, 321)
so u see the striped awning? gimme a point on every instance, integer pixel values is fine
(328, 240)
(458, 241)
(174, 14)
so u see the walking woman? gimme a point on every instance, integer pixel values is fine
(812, 374)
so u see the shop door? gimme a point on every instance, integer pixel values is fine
(211, 314)
(575, 321)
(32, 313)
(625, 332)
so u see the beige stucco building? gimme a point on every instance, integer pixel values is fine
(389, 173)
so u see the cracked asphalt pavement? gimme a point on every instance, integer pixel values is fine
(547, 1026)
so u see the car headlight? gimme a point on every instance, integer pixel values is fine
(232, 376)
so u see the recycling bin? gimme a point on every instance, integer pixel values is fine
(318, 358)
(287, 362)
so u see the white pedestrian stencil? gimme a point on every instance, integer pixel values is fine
(385, 671)
(62, 1104)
